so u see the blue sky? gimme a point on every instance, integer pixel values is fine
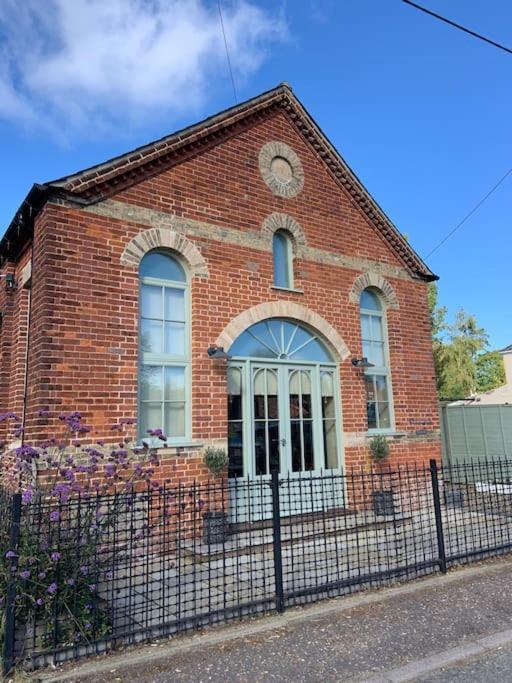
(420, 111)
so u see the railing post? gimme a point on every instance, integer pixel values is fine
(276, 527)
(10, 598)
(437, 511)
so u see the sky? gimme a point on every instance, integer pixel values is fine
(421, 111)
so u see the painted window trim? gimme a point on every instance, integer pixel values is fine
(168, 360)
(385, 370)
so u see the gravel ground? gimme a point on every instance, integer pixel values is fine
(352, 644)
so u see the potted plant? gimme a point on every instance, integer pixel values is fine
(215, 522)
(383, 504)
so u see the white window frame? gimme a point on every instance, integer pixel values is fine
(167, 360)
(380, 371)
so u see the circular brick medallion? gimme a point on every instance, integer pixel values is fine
(281, 169)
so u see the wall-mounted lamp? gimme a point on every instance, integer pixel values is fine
(362, 363)
(217, 352)
(10, 282)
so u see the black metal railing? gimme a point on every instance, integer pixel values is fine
(97, 571)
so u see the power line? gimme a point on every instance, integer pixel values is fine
(473, 210)
(462, 28)
(227, 52)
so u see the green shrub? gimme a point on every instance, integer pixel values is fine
(215, 460)
(379, 448)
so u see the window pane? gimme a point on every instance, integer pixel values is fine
(175, 339)
(377, 354)
(365, 326)
(330, 445)
(174, 384)
(308, 446)
(382, 388)
(151, 302)
(384, 419)
(370, 301)
(296, 446)
(151, 336)
(234, 407)
(367, 351)
(151, 383)
(174, 304)
(162, 266)
(372, 415)
(260, 448)
(274, 445)
(370, 390)
(174, 419)
(280, 250)
(150, 417)
(376, 328)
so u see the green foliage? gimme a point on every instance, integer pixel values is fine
(458, 348)
(379, 448)
(490, 371)
(216, 460)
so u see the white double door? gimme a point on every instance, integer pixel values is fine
(288, 428)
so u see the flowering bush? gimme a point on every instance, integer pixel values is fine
(65, 551)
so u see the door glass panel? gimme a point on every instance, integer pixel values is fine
(330, 445)
(260, 447)
(296, 446)
(274, 445)
(235, 423)
(308, 446)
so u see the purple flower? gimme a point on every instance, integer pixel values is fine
(84, 569)
(28, 495)
(52, 588)
(41, 575)
(54, 516)
(39, 601)
(10, 554)
(19, 431)
(25, 574)
(43, 412)
(9, 416)
(88, 626)
(55, 557)
(70, 582)
(92, 587)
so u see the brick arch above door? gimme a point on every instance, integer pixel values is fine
(164, 238)
(284, 309)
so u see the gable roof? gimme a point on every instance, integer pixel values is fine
(507, 349)
(93, 184)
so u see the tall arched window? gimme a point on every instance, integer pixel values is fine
(164, 348)
(282, 253)
(375, 348)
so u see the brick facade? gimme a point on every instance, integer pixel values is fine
(212, 207)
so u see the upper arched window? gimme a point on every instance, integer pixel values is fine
(375, 349)
(282, 254)
(164, 347)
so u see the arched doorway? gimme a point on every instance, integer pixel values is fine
(283, 408)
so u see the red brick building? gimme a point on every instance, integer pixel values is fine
(247, 232)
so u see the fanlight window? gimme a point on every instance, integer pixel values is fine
(282, 340)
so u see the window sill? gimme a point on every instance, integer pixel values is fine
(161, 446)
(292, 290)
(386, 432)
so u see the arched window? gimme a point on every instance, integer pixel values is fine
(375, 348)
(164, 348)
(282, 253)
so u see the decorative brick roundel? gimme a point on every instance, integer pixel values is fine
(281, 169)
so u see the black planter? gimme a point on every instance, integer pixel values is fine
(383, 503)
(454, 498)
(215, 527)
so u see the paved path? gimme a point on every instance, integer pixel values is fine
(417, 631)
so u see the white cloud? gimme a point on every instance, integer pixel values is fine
(71, 64)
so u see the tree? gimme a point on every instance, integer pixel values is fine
(490, 371)
(458, 348)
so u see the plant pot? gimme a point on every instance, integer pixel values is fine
(215, 527)
(383, 503)
(454, 498)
